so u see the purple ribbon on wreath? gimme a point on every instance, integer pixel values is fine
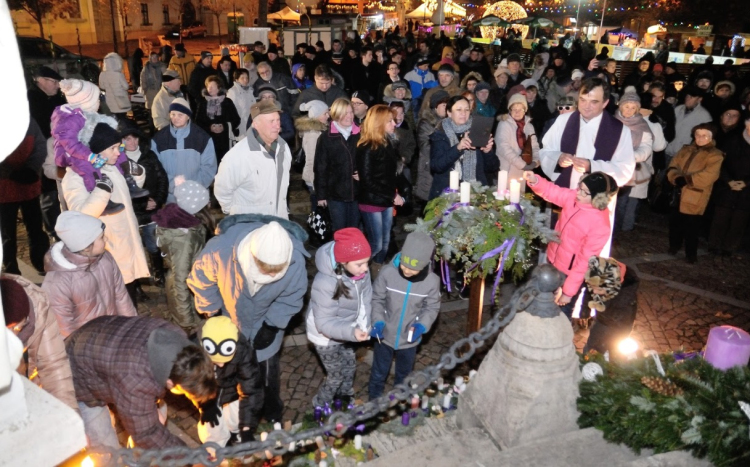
(450, 210)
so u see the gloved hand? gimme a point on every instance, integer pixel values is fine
(419, 329)
(247, 436)
(680, 182)
(531, 166)
(132, 168)
(104, 183)
(97, 160)
(265, 337)
(377, 330)
(210, 412)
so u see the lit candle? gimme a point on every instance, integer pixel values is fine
(439, 384)
(405, 419)
(425, 402)
(357, 442)
(515, 191)
(454, 180)
(459, 380)
(277, 426)
(415, 401)
(292, 446)
(472, 374)
(465, 192)
(727, 347)
(447, 400)
(502, 183)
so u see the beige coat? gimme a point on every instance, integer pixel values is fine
(507, 146)
(112, 81)
(123, 239)
(48, 363)
(700, 175)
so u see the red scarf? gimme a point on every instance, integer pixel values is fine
(520, 135)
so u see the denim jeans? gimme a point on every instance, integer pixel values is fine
(378, 232)
(97, 422)
(148, 234)
(381, 364)
(313, 197)
(344, 214)
(627, 209)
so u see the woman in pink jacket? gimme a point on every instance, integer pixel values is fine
(583, 228)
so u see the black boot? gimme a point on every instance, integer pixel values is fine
(113, 208)
(128, 171)
(140, 295)
(157, 265)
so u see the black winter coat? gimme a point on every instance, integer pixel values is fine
(616, 321)
(443, 157)
(198, 83)
(377, 174)
(736, 166)
(240, 379)
(228, 115)
(334, 165)
(157, 184)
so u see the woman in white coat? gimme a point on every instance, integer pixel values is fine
(243, 98)
(112, 81)
(122, 239)
(513, 133)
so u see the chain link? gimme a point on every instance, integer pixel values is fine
(279, 442)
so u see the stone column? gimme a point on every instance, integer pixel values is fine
(526, 387)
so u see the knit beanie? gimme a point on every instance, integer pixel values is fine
(630, 97)
(103, 137)
(602, 188)
(314, 108)
(191, 196)
(181, 105)
(271, 244)
(350, 244)
(81, 94)
(77, 230)
(518, 98)
(219, 337)
(417, 251)
(438, 97)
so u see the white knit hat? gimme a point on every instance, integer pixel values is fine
(271, 244)
(191, 196)
(314, 108)
(81, 94)
(518, 98)
(78, 230)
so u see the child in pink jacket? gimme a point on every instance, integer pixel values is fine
(583, 227)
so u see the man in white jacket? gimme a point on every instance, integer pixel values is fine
(253, 176)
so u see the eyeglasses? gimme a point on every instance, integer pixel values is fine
(582, 190)
(560, 108)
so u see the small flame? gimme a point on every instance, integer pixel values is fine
(87, 462)
(627, 346)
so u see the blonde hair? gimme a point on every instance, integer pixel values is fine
(338, 108)
(373, 129)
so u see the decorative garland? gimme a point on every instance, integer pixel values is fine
(689, 405)
(486, 235)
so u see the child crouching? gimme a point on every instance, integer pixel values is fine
(405, 304)
(340, 310)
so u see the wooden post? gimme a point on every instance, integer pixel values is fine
(476, 305)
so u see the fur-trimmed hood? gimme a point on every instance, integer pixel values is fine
(112, 62)
(388, 92)
(338, 80)
(309, 124)
(471, 74)
(84, 136)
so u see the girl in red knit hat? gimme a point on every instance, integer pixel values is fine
(339, 313)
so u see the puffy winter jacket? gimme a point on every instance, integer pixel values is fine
(48, 364)
(112, 81)
(335, 163)
(184, 66)
(401, 303)
(81, 288)
(508, 150)
(309, 129)
(151, 80)
(583, 231)
(332, 321)
(377, 174)
(703, 171)
(243, 99)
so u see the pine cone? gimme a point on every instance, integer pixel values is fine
(661, 386)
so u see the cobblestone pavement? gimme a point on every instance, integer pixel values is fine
(678, 303)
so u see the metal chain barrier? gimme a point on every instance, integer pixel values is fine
(279, 442)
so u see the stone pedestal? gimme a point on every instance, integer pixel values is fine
(527, 385)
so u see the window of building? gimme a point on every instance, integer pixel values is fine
(144, 14)
(165, 12)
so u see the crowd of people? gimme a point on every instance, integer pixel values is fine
(382, 122)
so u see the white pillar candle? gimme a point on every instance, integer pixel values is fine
(459, 380)
(472, 374)
(447, 400)
(323, 464)
(502, 182)
(465, 192)
(454, 180)
(523, 185)
(357, 442)
(515, 191)
(425, 402)
(277, 426)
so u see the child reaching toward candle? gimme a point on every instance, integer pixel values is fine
(583, 228)
(405, 304)
(339, 310)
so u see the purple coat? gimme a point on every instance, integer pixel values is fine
(67, 122)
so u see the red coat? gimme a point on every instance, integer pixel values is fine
(19, 172)
(583, 231)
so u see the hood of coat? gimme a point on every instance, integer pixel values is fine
(470, 75)
(84, 136)
(294, 229)
(338, 80)
(388, 91)
(112, 62)
(431, 117)
(309, 124)
(59, 258)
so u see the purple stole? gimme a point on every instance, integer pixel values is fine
(605, 144)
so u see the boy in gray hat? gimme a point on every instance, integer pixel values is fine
(405, 303)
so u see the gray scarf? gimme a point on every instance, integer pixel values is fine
(637, 126)
(467, 163)
(213, 104)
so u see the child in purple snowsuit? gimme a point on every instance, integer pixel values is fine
(67, 121)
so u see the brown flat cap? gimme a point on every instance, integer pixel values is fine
(264, 107)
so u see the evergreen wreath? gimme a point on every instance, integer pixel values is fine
(692, 406)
